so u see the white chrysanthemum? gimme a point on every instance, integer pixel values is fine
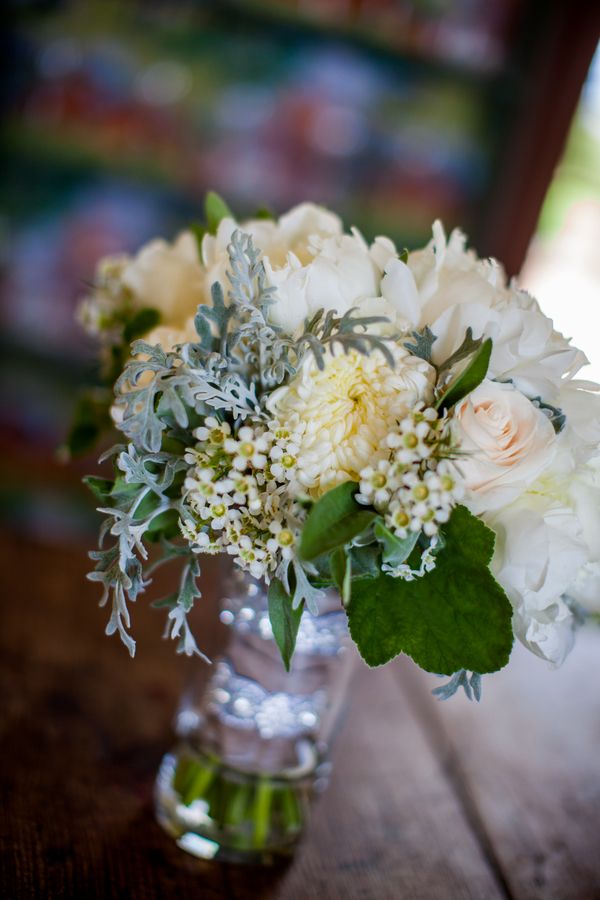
(342, 415)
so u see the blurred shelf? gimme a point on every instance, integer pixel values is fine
(392, 37)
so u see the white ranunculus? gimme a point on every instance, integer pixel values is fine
(507, 442)
(167, 277)
(539, 553)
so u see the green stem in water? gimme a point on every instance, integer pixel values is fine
(197, 785)
(261, 811)
(291, 810)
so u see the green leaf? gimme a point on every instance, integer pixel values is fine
(366, 561)
(198, 231)
(164, 525)
(100, 487)
(263, 212)
(333, 521)
(285, 620)
(395, 550)
(467, 348)
(468, 379)
(91, 418)
(455, 617)
(341, 570)
(141, 323)
(215, 209)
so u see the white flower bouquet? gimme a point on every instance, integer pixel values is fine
(404, 427)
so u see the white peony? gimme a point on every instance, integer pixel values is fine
(343, 274)
(527, 349)
(446, 287)
(580, 403)
(341, 416)
(507, 443)
(309, 260)
(584, 492)
(168, 278)
(539, 552)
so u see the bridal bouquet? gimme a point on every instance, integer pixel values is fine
(403, 427)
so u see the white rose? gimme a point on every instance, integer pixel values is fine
(167, 277)
(507, 443)
(539, 551)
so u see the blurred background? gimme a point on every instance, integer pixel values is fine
(119, 116)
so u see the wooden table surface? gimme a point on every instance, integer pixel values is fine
(428, 800)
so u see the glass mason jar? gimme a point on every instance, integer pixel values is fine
(252, 738)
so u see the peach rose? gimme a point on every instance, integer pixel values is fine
(507, 443)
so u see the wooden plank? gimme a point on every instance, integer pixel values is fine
(83, 728)
(526, 762)
(389, 826)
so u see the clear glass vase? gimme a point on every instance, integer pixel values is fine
(253, 739)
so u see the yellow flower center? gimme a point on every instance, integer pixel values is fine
(420, 492)
(401, 519)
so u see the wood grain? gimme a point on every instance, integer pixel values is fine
(526, 762)
(427, 800)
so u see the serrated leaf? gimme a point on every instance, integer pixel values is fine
(215, 209)
(333, 521)
(455, 617)
(468, 379)
(285, 620)
(395, 550)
